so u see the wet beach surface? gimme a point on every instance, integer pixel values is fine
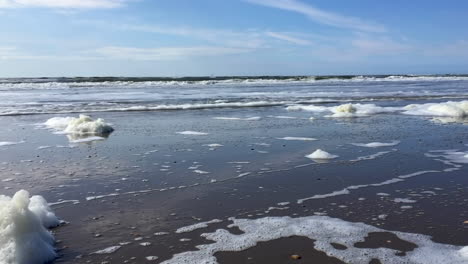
(137, 187)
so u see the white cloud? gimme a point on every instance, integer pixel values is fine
(379, 46)
(78, 4)
(247, 39)
(164, 53)
(456, 49)
(361, 47)
(250, 39)
(124, 53)
(240, 39)
(322, 16)
(288, 38)
(7, 52)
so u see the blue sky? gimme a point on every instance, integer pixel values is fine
(231, 37)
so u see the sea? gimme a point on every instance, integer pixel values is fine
(27, 96)
(246, 169)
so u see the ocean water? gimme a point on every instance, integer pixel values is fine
(246, 169)
(86, 95)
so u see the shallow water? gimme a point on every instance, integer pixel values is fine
(147, 178)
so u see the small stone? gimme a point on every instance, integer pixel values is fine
(295, 257)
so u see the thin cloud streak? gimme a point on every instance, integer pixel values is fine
(249, 39)
(284, 37)
(242, 39)
(380, 46)
(73, 4)
(126, 53)
(322, 16)
(165, 53)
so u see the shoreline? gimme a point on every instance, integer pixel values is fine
(139, 182)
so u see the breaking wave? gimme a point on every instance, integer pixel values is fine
(54, 83)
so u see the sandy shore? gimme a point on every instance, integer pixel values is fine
(135, 189)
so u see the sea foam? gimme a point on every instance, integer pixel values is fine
(24, 238)
(325, 231)
(346, 110)
(377, 144)
(298, 138)
(9, 143)
(83, 125)
(321, 155)
(253, 118)
(192, 133)
(451, 109)
(444, 109)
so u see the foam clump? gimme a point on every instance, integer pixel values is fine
(321, 155)
(464, 252)
(450, 109)
(325, 231)
(24, 238)
(358, 110)
(346, 110)
(83, 125)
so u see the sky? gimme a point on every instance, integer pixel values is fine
(232, 37)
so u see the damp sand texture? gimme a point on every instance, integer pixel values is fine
(207, 172)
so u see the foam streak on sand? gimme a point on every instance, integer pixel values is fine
(298, 138)
(200, 106)
(192, 133)
(87, 139)
(24, 238)
(214, 145)
(108, 250)
(240, 163)
(196, 226)
(325, 231)
(372, 156)
(9, 143)
(283, 117)
(377, 144)
(348, 189)
(254, 118)
(451, 156)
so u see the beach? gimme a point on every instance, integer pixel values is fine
(228, 171)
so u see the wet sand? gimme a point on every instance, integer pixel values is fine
(146, 179)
